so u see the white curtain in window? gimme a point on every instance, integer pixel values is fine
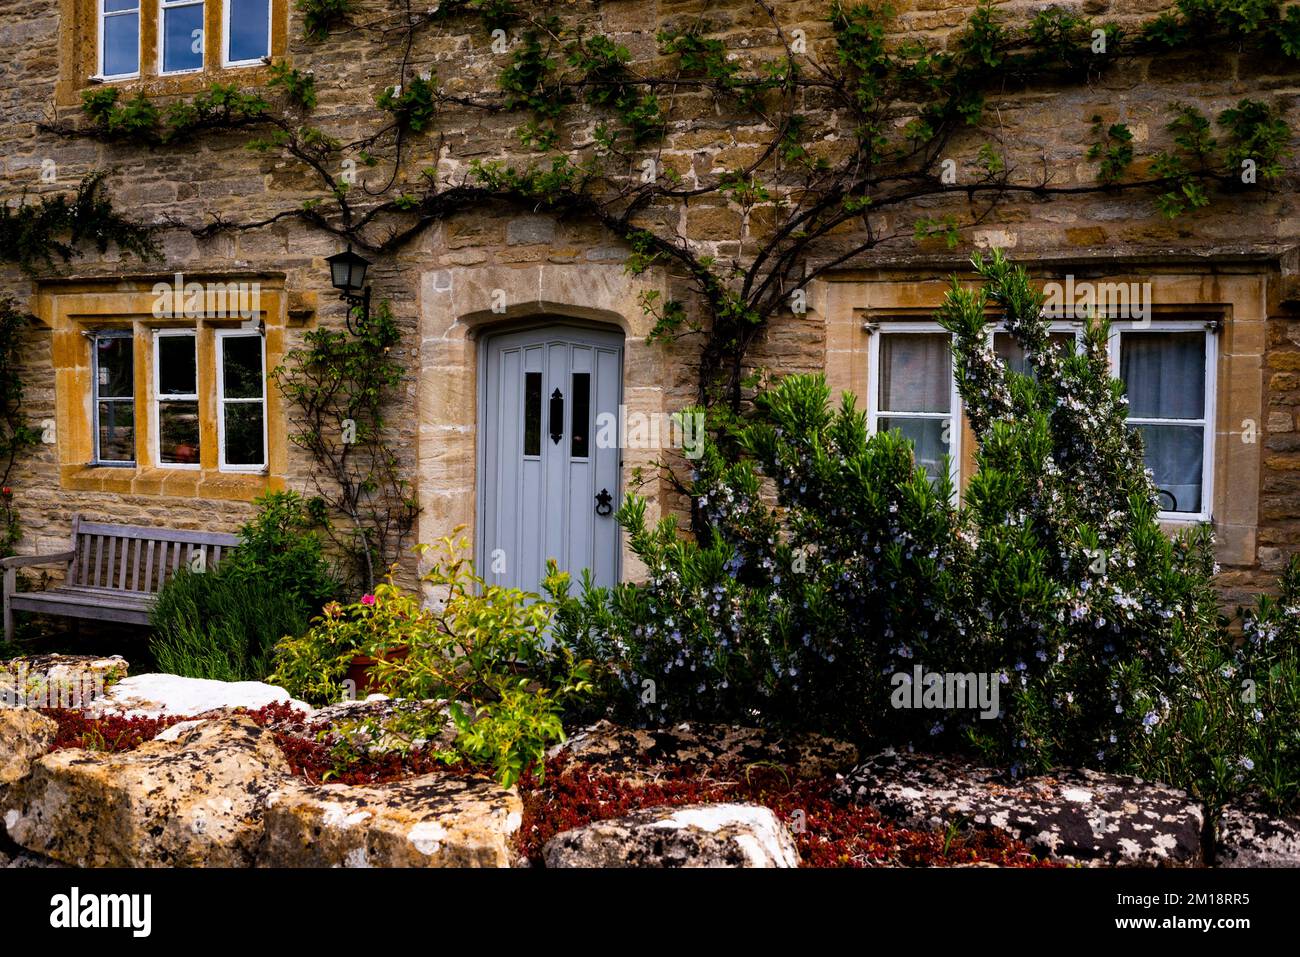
(1164, 374)
(915, 372)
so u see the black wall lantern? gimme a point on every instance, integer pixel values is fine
(348, 274)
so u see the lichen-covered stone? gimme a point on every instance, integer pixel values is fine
(1249, 837)
(438, 820)
(193, 802)
(1076, 816)
(613, 749)
(22, 859)
(58, 681)
(25, 736)
(700, 835)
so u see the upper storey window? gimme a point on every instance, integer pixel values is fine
(119, 38)
(247, 32)
(181, 36)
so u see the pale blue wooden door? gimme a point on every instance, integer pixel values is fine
(550, 455)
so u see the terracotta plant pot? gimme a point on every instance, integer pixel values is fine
(359, 670)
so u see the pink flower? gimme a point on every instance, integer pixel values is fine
(367, 599)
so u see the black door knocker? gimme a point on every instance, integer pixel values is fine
(604, 502)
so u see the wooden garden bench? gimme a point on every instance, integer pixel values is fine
(114, 571)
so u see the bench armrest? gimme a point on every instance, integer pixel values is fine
(22, 561)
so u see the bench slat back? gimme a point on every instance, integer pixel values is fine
(136, 558)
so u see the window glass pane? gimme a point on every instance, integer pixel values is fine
(114, 371)
(241, 367)
(178, 433)
(1009, 351)
(248, 29)
(116, 431)
(928, 435)
(182, 38)
(244, 434)
(121, 44)
(532, 413)
(116, 6)
(915, 372)
(580, 439)
(1164, 374)
(177, 373)
(1173, 454)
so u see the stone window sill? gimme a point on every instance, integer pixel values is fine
(178, 483)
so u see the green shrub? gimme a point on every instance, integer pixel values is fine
(483, 653)
(279, 545)
(222, 625)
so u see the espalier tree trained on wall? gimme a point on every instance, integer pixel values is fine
(899, 115)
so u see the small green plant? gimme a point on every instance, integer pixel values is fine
(481, 653)
(279, 545)
(222, 625)
(1113, 149)
(318, 16)
(413, 107)
(298, 86)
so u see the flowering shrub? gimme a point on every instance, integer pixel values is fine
(781, 621)
(481, 650)
(1227, 724)
(1053, 577)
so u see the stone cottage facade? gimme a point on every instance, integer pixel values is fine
(170, 420)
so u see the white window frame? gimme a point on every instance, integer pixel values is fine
(954, 413)
(95, 337)
(163, 7)
(222, 401)
(155, 416)
(226, 36)
(101, 17)
(1207, 422)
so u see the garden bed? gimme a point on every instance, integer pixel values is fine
(572, 793)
